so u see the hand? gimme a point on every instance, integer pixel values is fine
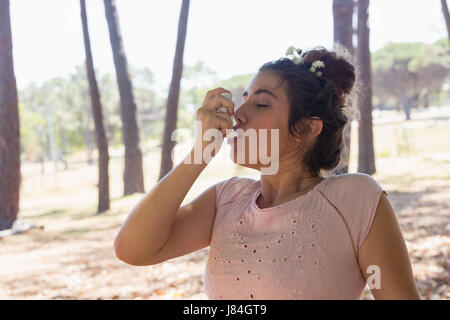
(209, 118)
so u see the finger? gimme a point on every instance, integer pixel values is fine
(226, 117)
(222, 125)
(216, 91)
(218, 101)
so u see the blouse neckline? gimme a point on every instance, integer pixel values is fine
(284, 204)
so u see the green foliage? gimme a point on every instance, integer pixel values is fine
(415, 55)
(63, 106)
(198, 75)
(31, 123)
(410, 73)
(237, 81)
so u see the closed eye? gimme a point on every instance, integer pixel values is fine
(262, 105)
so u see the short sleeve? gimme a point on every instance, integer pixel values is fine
(230, 189)
(367, 196)
(362, 195)
(225, 190)
(228, 192)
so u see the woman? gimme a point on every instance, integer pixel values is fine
(294, 234)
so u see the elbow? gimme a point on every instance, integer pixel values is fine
(117, 249)
(120, 251)
(124, 254)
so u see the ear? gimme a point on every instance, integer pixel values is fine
(316, 126)
(310, 126)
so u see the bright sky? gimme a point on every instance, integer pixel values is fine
(232, 37)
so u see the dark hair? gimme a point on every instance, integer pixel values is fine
(321, 96)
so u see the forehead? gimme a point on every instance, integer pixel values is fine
(268, 81)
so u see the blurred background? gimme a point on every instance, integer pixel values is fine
(90, 92)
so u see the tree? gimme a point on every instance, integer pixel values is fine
(174, 93)
(343, 23)
(9, 126)
(64, 103)
(366, 157)
(343, 36)
(446, 16)
(102, 142)
(133, 174)
(407, 73)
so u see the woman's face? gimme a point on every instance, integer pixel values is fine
(265, 108)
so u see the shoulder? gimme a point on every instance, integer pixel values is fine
(354, 180)
(348, 185)
(356, 197)
(229, 189)
(236, 181)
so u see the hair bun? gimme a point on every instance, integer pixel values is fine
(337, 69)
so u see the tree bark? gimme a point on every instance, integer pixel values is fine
(366, 157)
(343, 23)
(10, 177)
(88, 136)
(133, 174)
(174, 93)
(343, 35)
(446, 16)
(102, 142)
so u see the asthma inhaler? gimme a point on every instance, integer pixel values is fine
(227, 95)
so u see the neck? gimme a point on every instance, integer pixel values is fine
(290, 182)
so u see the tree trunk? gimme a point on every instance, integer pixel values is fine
(446, 16)
(343, 35)
(133, 174)
(174, 93)
(53, 149)
(343, 23)
(426, 99)
(102, 142)
(9, 126)
(366, 157)
(406, 106)
(87, 136)
(63, 153)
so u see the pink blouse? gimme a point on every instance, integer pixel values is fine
(305, 248)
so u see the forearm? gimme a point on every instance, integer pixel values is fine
(149, 223)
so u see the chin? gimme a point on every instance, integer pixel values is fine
(247, 154)
(246, 163)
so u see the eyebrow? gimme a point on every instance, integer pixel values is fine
(259, 91)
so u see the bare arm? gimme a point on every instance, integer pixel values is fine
(148, 225)
(157, 228)
(385, 247)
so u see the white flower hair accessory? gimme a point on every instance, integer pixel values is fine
(295, 55)
(317, 64)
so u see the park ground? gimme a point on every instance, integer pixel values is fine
(69, 253)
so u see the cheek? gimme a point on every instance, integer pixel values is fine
(276, 132)
(269, 120)
(274, 120)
